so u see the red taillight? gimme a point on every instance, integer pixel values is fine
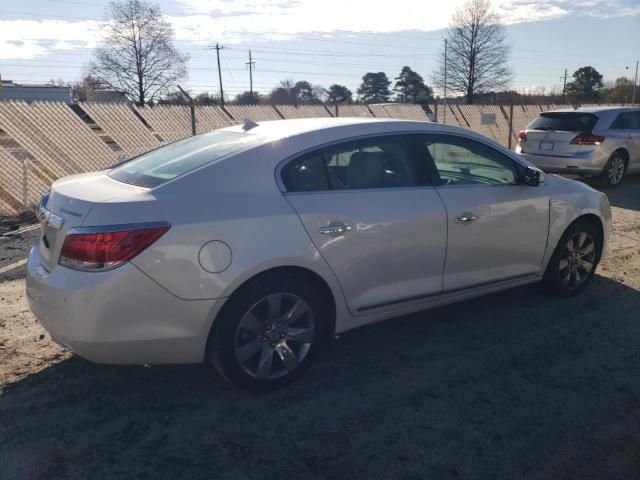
(522, 136)
(105, 249)
(583, 139)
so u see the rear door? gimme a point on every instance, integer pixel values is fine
(381, 232)
(497, 228)
(632, 132)
(551, 133)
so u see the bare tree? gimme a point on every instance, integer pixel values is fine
(80, 89)
(477, 52)
(137, 56)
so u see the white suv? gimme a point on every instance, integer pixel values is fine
(602, 141)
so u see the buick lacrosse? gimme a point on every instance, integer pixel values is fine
(251, 246)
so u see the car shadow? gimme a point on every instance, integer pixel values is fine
(515, 384)
(626, 195)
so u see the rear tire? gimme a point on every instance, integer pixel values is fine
(613, 171)
(269, 332)
(574, 261)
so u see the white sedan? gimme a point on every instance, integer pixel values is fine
(251, 246)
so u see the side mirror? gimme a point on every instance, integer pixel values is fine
(531, 176)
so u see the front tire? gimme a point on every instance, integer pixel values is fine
(574, 261)
(269, 332)
(613, 171)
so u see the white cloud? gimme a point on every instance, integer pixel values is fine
(238, 21)
(28, 39)
(62, 45)
(306, 16)
(233, 20)
(527, 11)
(11, 50)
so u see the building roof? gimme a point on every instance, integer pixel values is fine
(12, 84)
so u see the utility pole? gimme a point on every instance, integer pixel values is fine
(251, 65)
(219, 47)
(564, 84)
(445, 81)
(635, 81)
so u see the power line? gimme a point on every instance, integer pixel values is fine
(70, 63)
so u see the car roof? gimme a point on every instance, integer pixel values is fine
(593, 109)
(306, 133)
(342, 126)
(290, 127)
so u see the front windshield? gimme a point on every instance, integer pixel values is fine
(166, 163)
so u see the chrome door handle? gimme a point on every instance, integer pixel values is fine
(335, 227)
(465, 218)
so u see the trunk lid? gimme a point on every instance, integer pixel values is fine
(67, 205)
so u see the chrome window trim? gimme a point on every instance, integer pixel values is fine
(359, 190)
(280, 165)
(296, 156)
(116, 228)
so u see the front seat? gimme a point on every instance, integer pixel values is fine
(366, 170)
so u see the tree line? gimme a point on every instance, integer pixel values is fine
(409, 87)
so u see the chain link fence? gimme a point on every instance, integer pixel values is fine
(43, 141)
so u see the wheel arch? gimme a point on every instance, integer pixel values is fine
(625, 154)
(592, 219)
(568, 209)
(303, 273)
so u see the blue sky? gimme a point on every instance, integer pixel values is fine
(326, 41)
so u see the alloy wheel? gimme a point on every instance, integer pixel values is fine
(616, 170)
(274, 336)
(578, 260)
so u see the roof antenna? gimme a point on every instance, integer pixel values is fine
(249, 124)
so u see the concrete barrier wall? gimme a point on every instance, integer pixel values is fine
(43, 141)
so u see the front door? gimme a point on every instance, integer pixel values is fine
(383, 235)
(497, 227)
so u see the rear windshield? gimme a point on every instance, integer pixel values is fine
(568, 122)
(166, 163)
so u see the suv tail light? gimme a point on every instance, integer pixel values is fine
(522, 136)
(586, 139)
(104, 248)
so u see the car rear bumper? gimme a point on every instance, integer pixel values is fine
(119, 316)
(587, 163)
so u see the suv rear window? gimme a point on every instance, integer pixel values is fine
(159, 166)
(567, 122)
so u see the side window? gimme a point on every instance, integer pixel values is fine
(373, 163)
(634, 121)
(618, 123)
(461, 161)
(627, 121)
(305, 174)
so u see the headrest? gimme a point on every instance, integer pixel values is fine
(366, 169)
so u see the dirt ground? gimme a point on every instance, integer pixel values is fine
(513, 385)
